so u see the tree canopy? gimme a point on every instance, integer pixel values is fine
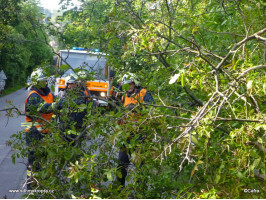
(23, 44)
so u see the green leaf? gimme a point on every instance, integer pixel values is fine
(224, 22)
(196, 167)
(194, 140)
(71, 175)
(254, 154)
(235, 124)
(13, 159)
(64, 67)
(218, 173)
(260, 126)
(76, 178)
(260, 140)
(217, 178)
(208, 133)
(52, 88)
(82, 107)
(182, 80)
(125, 87)
(109, 175)
(119, 174)
(240, 175)
(255, 164)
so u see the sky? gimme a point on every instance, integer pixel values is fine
(52, 4)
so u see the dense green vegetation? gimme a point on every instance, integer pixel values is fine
(23, 44)
(204, 62)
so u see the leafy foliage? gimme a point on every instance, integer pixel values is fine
(204, 136)
(23, 43)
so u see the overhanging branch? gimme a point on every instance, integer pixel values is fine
(254, 36)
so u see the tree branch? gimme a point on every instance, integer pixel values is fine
(258, 175)
(199, 102)
(183, 109)
(263, 149)
(250, 69)
(239, 120)
(238, 45)
(224, 33)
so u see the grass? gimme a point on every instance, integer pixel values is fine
(11, 90)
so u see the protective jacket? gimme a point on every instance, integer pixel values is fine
(34, 99)
(129, 101)
(142, 95)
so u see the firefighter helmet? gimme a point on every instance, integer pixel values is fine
(130, 78)
(71, 79)
(82, 74)
(38, 75)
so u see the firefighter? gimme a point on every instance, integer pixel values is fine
(117, 94)
(134, 94)
(74, 96)
(38, 109)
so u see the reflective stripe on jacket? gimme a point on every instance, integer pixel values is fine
(47, 116)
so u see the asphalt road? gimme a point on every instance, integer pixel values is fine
(12, 176)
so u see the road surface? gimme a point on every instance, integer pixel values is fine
(12, 175)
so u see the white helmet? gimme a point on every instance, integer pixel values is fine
(71, 79)
(82, 74)
(130, 78)
(37, 75)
